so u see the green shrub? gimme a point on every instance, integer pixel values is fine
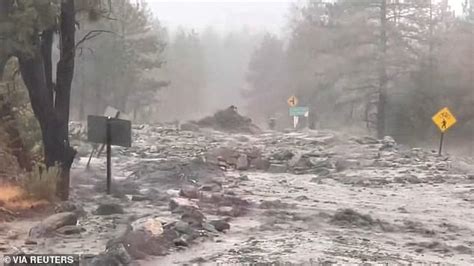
(41, 183)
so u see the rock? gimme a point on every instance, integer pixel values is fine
(120, 254)
(244, 178)
(181, 205)
(413, 179)
(211, 187)
(277, 168)
(180, 242)
(242, 162)
(442, 166)
(225, 154)
(301, 198)
(351, 217)
(233, 211)
(70, 230)
(119, 234)
(298, 161)
(69, 206)
(220, 225)
(154, 149)
(319, 163)
(193, 217)
(209, 227)
(261, 164)
(189, 126)
(284, 155)
(173, 192)
(140, 198)
(343, 164)
(53, 222)
(388, 143)
(322, 172)
(29, 241)
(139, 244)
(253, 153)
(108, 209)
(183, 227)
(463, 249)
(189, 191)
(149, 225)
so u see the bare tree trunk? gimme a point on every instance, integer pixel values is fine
(383, 79)
(64, 76)
(51, 105)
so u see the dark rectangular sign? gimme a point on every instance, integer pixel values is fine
(120, 130)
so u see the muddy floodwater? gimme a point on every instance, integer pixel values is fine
(269, 197)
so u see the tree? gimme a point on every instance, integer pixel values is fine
(28, 30)
(266, 72)
(133, 45)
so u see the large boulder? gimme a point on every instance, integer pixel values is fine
(149, 225)
(53, 222)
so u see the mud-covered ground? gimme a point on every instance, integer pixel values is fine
(298, 197)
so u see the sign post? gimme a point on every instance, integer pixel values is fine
(109, 156)
(109, 131)
(444, 119)
(298, 111)
(441, 143)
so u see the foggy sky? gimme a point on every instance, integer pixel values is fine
(227, 15)
(223, 15)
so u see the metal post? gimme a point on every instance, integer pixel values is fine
(441, 143)
(90, 158)
(109, 155)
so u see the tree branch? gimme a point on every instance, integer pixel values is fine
(91, 35)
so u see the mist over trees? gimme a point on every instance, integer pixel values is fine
(115, 62)
(379, 66)
(207, 72)
(135, 64)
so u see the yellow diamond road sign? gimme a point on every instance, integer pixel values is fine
(444, 119)
(292, 101)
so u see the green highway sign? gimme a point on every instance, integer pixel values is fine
(299, 111)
